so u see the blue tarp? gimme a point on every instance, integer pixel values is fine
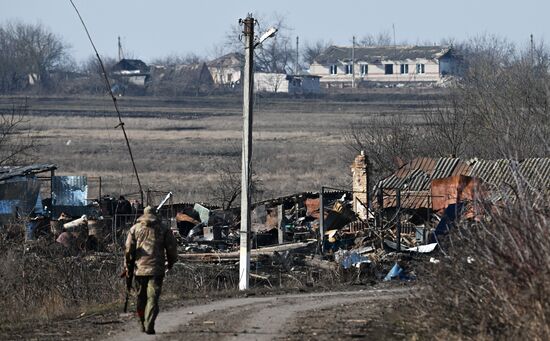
(398, 272)
(452, 212)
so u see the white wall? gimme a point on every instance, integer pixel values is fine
(270, 82)
(225, 76)
(376, 72)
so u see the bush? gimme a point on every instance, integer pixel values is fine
(494, 283)
(37, 281)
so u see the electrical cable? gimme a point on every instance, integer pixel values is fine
(108, 85)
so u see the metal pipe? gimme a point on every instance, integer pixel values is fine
(398, 216)
(322, 220)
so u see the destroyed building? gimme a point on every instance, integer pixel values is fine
(339, 66)
(130, 74)
(20, 191)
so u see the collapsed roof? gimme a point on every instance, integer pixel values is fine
(501, 176)
(377, 54)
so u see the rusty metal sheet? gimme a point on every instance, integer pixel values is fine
(453, 190)
(414, 179)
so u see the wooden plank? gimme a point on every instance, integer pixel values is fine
(254, 253)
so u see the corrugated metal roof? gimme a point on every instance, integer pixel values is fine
(444, 167)
(493, 172)
(536, 171)
(11, 172)
(501, 175)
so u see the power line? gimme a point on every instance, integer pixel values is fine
(109, 89)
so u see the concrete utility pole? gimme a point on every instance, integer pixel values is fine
(297, 55)
(120, 53)
(532, 50)
(353, 63)
(248, 85)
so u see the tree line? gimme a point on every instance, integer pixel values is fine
(499, 108)
(32, 58)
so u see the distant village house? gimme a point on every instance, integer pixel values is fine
(181, 79)
(131, 71)
(283, 83)
(226, 70)
(342, 65)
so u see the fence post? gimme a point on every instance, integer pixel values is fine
(398, 217)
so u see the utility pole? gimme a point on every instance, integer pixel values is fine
(297, 56)
(532, 50)
(353, 63)
(248, 85)
(120, 54)
(393, 26)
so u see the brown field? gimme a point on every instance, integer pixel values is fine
(180, 144)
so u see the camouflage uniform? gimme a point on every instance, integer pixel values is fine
(148, 246)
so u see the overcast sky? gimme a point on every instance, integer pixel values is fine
(152, 29)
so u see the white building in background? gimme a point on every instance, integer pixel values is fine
(226, 70)
(283, 83)
(339, 65)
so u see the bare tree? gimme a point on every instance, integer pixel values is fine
(93, 81)
(313, 50)
(388, 141)
(28, 54)
(448, 127)
(174, 59)
(225, 187)
(383, 38)
(503, 98)
(275, 55)
(16, 142)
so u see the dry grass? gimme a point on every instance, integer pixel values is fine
(494, 283)
(178, 144)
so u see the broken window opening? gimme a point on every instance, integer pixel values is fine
(333, 69)
(349, 69)
(364, 69)
(404, 68)
(420, 68)
(388, 69)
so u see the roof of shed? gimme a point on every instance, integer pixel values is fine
(9, 172)
(414, 178)
(377, 54)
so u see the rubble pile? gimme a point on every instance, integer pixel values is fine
(368, 229)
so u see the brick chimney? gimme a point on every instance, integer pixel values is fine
(359, 171)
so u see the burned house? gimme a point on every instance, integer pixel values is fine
(432, 184)
(132, 72)
(181, 79)
(426, 193)
(339, 66)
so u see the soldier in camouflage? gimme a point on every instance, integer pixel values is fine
(149, 245)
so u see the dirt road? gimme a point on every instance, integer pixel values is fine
(254, 318)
